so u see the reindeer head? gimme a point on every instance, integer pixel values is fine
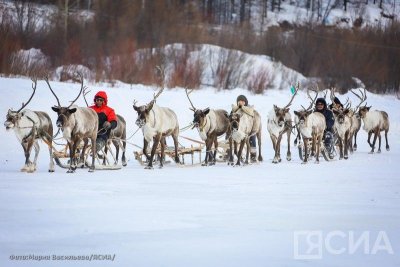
(280, 114)
(362, 112)
(302, 116)
(12, 119)
(340, 114)
(234, 121)
(64, 113)
(199, 117)
(12, 116)
(143, 113)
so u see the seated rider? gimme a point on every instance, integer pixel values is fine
(107, 119)
(241, 101)
(321, 107)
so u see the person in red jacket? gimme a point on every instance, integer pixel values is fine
(107, 118)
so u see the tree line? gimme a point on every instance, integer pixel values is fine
(116, 29)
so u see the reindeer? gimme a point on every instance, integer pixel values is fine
(244, 122)
(356, 119)
(375, 122)
(311, 126)
(117, 136)
(30, 126)
(280, 122)
(77, 124)
(157, 123)
(210, 124)
(342, 126)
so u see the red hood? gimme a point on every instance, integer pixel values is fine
(103, 95)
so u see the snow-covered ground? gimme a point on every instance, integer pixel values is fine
(199, 216)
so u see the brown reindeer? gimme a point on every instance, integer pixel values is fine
(30, 126)
(210, 124)
(280, 122)
(77, 124)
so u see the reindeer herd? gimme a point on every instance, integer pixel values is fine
(80, 124)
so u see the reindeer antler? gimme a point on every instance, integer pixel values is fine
(85, 92)
(162, 80)
(81, 90)
(48, 84)
(34, 83)
(187, 94)
(362, 97)
(312, 99)
(295, 93)
(332, 94)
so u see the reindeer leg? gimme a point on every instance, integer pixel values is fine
(340, 147)
(305, 142)
(162, 152)
(369, 136)
(247, 151)
(230, 160)
(355, 141)
(379, 138)
(37, 149)
(374, 142)
(116, 145)
(346, 145)
(274, 146)
(71, 157)
(156, 140)
(278, 147)
(386, 138)
(240, 152)
(94, 152)
(123, 153)
(215, 149)
(176, 144)
(317, 139)
(288, 154)
(145, 144)
(82, 157)
(209, 142)
(313, 145)
(105, 153)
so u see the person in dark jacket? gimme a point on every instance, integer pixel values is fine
(241, 101)
(107, 118)
(321, 107)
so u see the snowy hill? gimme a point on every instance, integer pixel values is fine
(198, 216)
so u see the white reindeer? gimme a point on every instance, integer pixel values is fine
(244, 122)
(210, 123)
(311, 126)
(280, 122)
(157, 123)
(30, 126)
(375, 122)
(77, 124)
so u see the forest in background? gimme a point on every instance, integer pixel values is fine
(105, 42)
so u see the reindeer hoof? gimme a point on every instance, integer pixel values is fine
(288, 158)
(346, 157)
(70, 171)
(51, 170)
(379, 151)
(124, 164)
(387, 148)
(91, 170)
(260, 158)
(149, 167)
(304, 162)
(316, 162)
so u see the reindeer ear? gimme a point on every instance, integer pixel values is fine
(135, 108)
(287, 110)
(346, 111)
(335, 111)
(72, 110)
(309, 112)
(369, 107)
(55, 108)
(206, 111)
(296, 113)
(276, 108)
